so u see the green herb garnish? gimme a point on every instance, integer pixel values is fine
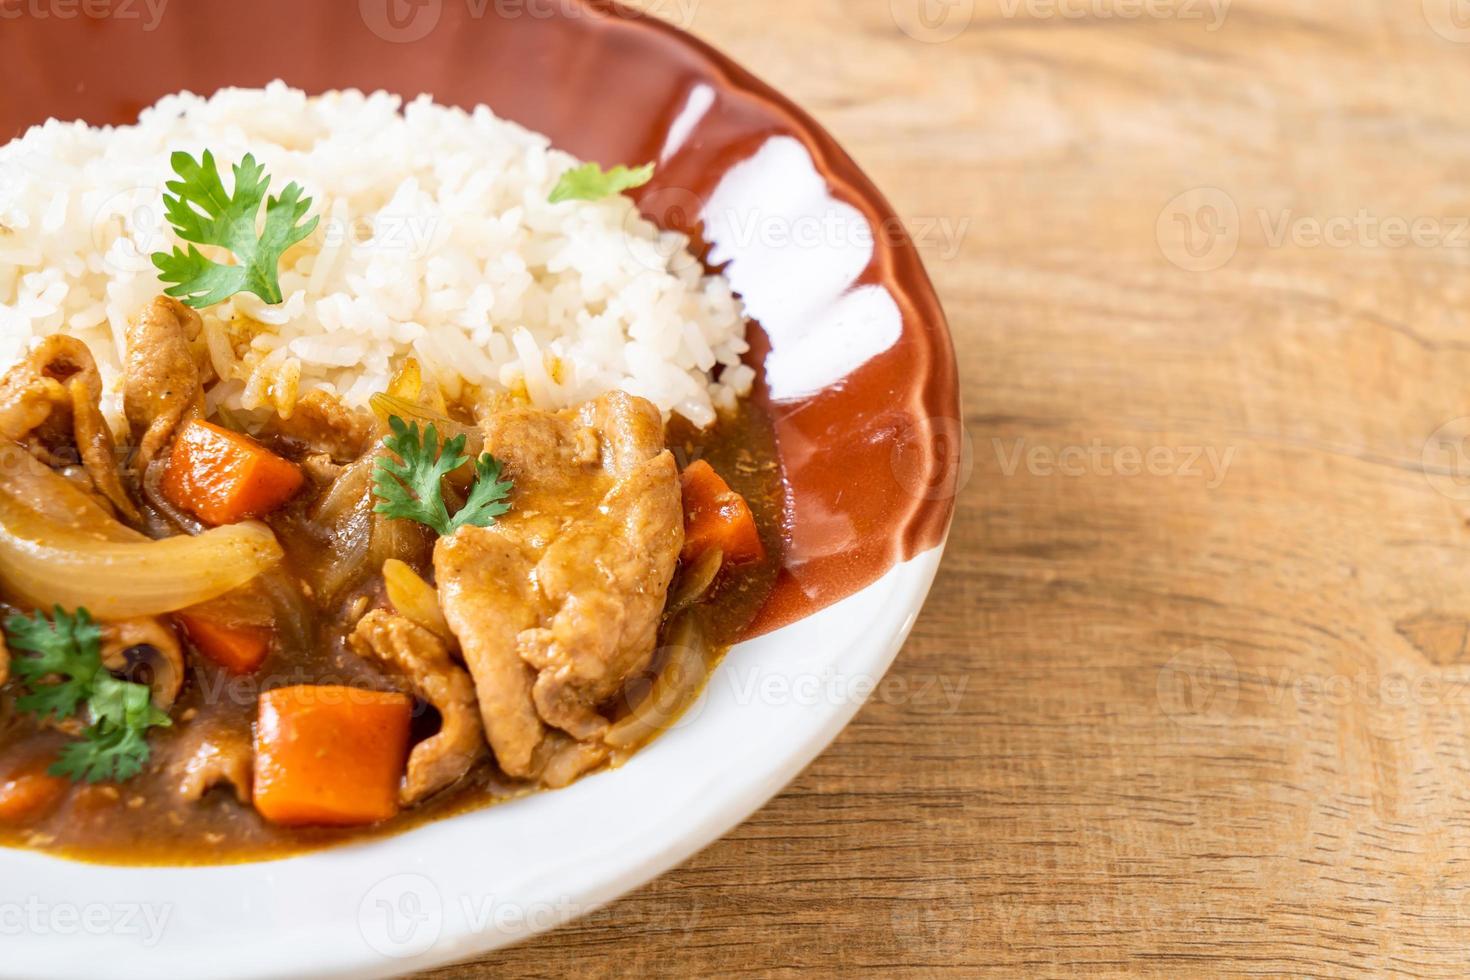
(63, 670)
(413, 489)
(589, 182)
(67, 651)
(202, 213)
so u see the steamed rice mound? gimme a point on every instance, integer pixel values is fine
(436, 242)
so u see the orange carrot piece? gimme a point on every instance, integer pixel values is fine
(330, 756)
(222, 477)
(717, 517)
(29, 792)
(238, 649)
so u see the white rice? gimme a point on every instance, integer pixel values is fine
(436, 242)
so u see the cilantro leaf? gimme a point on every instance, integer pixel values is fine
(62, 669)
(411, 487)
(115, 746)
(68, 648)
(203, 213)
(123, 704)
(486, 501)
(54, 700)
(589, 182)
(102, 753)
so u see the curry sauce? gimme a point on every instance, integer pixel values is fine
(146, 821)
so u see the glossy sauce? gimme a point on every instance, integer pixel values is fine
(144, 822)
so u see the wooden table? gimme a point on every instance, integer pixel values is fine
(1192, 693)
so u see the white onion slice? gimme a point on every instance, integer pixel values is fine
(46, 562)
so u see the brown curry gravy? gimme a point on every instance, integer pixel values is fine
(144, 822)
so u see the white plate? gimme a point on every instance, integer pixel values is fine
(473, 883)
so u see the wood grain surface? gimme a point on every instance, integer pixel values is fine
(1192, 692)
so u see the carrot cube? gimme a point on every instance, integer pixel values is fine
(29, 792)
(717, 517)
(223, 477)
(238, 649)
(330, 756)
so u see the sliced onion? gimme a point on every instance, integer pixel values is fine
(293, 617)
(350, 543)
(344, 516)
(57, 499)
(45, 562)
(344, 496)
(405, 541)
(153, 490)
(408, 382)
(248, 606)
(385, 405)
(361, 539)
(694, 581)
(686, 669)
(272, 601)
(414, 599)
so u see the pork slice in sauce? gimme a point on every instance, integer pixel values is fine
(421, 660)
(164, 384)
(146, 640)
(51, 400)
(565, 759)
(325, 426)
(213, 755)
(558, 602)
(608, 579)
(488, 601)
